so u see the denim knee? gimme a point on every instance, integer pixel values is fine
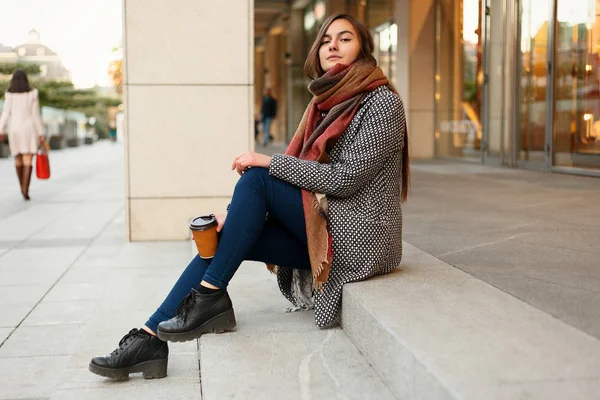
(254, 177)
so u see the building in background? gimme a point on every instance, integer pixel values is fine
(35, 52)
(518, 91)
(507, 83)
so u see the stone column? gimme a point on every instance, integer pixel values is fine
(415, 71)
(401, 79)
(189, 104)
(496, 79)
(259, 76)
(297, 93)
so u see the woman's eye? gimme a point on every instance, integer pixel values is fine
(346, 40)
(325, 41)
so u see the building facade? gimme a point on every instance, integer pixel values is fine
(511, 83)
(35, 52)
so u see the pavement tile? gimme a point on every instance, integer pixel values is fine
(30, 275)
(172, 389)
(321, 363)
(31, 377)
(38, 341)
(13, 313)
(23, 293)
(75, 292)
(59, 313)
(4, 332)
(89, 275)
(60, 257)
(183, 368)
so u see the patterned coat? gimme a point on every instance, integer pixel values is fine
(363, 185)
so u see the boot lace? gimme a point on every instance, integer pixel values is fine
(185, 306)
(124, 340)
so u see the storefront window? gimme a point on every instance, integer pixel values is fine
(532, 107)
(459, 79)
(577, 112)
(385, 37)
(314, 16)
(380, 14)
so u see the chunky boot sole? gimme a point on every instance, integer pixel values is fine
(151, 370)
(221, 323)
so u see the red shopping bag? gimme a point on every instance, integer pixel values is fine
(42, 163)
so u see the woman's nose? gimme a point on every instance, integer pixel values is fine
(333, 45)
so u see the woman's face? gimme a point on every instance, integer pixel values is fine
(340, 45)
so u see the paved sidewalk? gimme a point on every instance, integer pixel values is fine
(71, 286)
(63, 265)
(533, 235)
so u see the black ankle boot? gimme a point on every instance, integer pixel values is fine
(197, 314)
(137, 352)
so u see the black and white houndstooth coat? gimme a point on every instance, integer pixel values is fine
(363, 185)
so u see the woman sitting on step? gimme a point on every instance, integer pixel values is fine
(333, 202)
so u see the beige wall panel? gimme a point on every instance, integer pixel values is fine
(497, 22)
(167, 219)
(183, 41)
(183, 139)
(422, 73)
(402, 74)
(420, 130)
(495, 135)
(496, 81)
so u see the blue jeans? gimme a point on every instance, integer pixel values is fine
(266, 129)
(246, 235)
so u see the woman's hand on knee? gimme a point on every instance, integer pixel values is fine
(250, 159)
(220, 221)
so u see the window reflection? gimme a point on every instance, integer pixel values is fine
(459, 79)
(533, 80)
(577, 115)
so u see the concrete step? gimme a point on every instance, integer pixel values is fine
(434, 332)
(278, 355)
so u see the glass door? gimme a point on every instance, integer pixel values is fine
(458, 79)
(489, 109)
(534, 87)
(576, 139)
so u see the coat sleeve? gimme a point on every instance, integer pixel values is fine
(35, 114)
(381, 133)
(5, 113)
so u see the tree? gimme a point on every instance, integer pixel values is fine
(63, 95)
(9, 68)
(115, 72)
(115, 68)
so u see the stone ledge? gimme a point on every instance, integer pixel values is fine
(434, 332)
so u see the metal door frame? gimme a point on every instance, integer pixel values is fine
(546, 163)
(485, 61)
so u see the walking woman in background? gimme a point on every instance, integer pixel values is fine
(25, 131)
(325, 213)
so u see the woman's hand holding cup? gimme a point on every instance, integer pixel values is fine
(220, 221)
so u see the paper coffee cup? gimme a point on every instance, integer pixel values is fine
(204, 232)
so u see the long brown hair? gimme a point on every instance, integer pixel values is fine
(19, 82)
(313, 70)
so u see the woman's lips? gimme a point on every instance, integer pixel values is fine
(333, 57)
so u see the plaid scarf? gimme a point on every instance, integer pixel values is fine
(336, 95)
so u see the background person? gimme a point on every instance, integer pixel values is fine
(21, 114)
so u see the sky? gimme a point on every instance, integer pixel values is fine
(82, 32)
